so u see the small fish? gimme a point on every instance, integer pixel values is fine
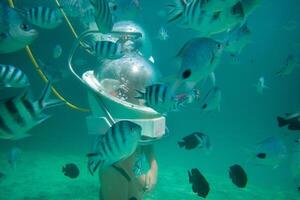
(289, 67)
(13, 157)
(237, 39)
(57, 51)
(197, 59)
(43, 17)
(71, 170)
(11, 76)
(15, 33)
(200, 185)
(212, 101)
(159, 98)
(269, 152)
(217, 5)
(163, 34)
(106, 49)
(292, 121)
(118, 143)
(297, 140)
(189, 15)
(260, 86)
(19, 114)
(195, 140)
(261, 155)
(238, 176)
(103, 16)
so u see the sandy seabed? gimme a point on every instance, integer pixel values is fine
(38, 176)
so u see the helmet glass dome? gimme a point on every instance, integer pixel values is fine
(123, 77)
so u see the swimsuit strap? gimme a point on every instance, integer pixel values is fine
(122, 172)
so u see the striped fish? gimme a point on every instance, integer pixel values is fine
(43, 17)
(19, 114)
(11, 76)
(190, 15)
(159, 97)
(107, 49)
(103, 16)
(119, 142)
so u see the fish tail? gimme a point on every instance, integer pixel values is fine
(93, 165)
(281, 121)
(43, 100)
(175, 11)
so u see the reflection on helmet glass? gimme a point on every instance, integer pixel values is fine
(123, 77)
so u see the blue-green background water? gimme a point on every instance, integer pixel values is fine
(245, 117)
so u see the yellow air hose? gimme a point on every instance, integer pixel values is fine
(38, 69)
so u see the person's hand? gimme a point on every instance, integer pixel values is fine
(150, 179)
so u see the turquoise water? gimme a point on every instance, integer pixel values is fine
(244, 119)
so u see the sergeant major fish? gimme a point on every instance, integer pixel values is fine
(103, 16)
(160, 98)
(19, 114)
(118, 143)
(106, 49)
(11, 76)
(15, 33)
(190, 15)
(43, 17)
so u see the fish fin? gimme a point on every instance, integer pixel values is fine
(282, 122)
(181, 144)
(94, 164)
(175, 11)
(151, 59)
(44, 103)
(213, 78)
(141, 95)
(21, 12)
(19, 137)
(42, 118)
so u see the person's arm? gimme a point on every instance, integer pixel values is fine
(151, 176)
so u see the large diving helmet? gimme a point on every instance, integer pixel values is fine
(112, 90)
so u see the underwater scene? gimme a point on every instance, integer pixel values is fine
(149, 100)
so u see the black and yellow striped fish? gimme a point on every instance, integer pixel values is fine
(107, 49)
(43, 17)
(103, 16)
(19, 114)
(118, 143)
(11, 76)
